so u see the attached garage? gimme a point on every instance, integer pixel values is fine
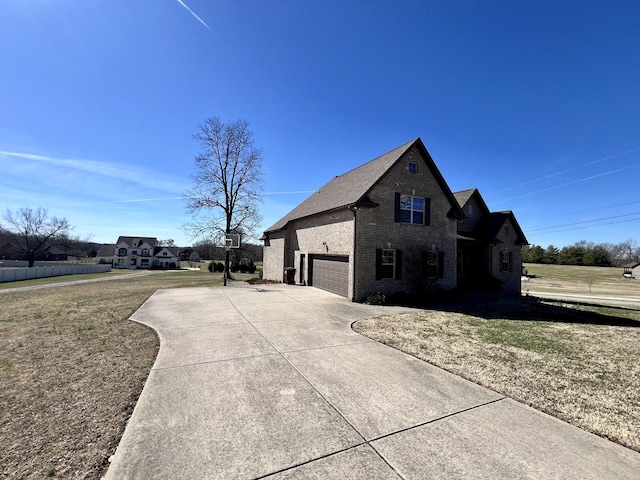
(330, 273)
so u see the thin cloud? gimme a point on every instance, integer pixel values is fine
(289, 193)
(121, 172)
(193, 13)
(580, 180)
(142, 200)
(565, 171)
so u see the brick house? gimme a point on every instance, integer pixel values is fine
(489, 245)
(390, 225)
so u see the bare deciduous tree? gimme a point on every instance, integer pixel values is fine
(227, 182)
(169, 242)
(34, 232)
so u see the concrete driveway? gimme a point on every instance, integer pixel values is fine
(271, 382)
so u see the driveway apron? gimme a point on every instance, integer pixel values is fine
(272, 383)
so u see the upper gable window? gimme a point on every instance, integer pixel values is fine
(470, 210)
(412, 209)
(413, 167)
(506, 230)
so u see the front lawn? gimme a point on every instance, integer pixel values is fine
(71, 369)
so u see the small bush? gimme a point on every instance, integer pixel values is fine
(216, 267)
(243, 266)
(376, 299)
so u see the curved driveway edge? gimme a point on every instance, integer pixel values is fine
(272, 383)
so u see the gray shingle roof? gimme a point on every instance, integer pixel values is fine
(152, 241)
(107, 250)
(352, 187)
(464, 196)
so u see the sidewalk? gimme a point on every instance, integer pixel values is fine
(271, 382)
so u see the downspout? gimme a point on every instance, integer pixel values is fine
(491, 245)
(354, 209)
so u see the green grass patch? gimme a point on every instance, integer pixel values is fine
(537, 337)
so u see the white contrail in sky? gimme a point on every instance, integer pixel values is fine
(138, 175)
(193, 13)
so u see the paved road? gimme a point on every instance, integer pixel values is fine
(591, 299)
(273, 383)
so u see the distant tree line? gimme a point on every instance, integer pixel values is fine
(208, 250)
(584, 253)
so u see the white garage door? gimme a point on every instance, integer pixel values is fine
(330, 273)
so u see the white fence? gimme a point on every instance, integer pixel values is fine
(25, 273)
(13, 263)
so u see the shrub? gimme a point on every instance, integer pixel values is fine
(251, 267)
(216, 267)
(376, 299)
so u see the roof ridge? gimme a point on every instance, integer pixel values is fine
(406, 146)
(345, 189)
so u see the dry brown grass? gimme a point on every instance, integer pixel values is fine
(71, 369)
(578, 280)
(577, 363)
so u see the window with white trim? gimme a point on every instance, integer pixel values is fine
(388, 263)
(411, 209)
(506, 261)
(432, 264)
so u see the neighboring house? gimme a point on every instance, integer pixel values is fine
(489, 245)
(189, 255)
(631, 270)
(139, 252)
(166, 257)
(388, 226)
(56, 253)
(106, 253)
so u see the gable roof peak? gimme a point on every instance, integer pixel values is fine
(464, 196)
(352, 187)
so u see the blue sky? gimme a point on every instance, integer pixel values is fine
(537, 104)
